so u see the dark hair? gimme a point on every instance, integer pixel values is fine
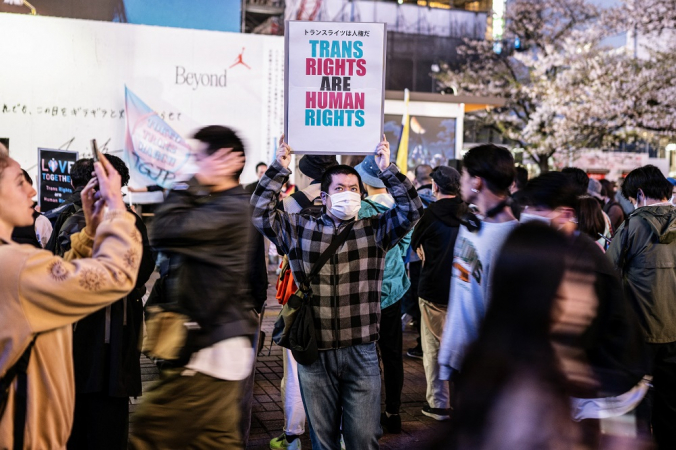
(650, 180)
(426, 172)
(492, 163)
(608, 189)
(260, 164)
(590, 219)
(340, 169)
(28, 178)
(4, 156)
(521, 177)
(120, 166)
(551, 190)
(578, 178)
(516, 332)
(217, 137)
(81, 172)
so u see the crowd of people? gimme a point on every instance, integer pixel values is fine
(543, 307)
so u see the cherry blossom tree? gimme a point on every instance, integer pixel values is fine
(566, 89)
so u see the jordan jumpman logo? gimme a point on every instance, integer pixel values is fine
(239, 60)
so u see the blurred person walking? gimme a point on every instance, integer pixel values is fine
(644, 252)
(510, 393)
(394, 286)
(203, 228)
(487, 174)
(306, 201)
(433, 240)
(595, 334)
(344, 382)
(45, 295)
(106, 354)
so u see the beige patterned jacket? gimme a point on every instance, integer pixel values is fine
(42, 293)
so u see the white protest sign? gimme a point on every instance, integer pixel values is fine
(334, 80)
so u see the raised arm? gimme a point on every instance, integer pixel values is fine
(270, 221)
(398, 221)
(55, 292)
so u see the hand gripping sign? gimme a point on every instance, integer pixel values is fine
(334, 86)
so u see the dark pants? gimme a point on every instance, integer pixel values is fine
(660, 403)
(390, 345)
(100, 422)
(188, 410)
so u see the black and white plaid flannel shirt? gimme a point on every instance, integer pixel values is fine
(346, 293)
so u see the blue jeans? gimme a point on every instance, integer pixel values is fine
(343, 383)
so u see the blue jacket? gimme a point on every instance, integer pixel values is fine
(395, 281)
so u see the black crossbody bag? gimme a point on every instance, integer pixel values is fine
(294, 328)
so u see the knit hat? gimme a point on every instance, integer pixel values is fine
(447, 178)
(314, 166)
(595, 188)
(368, 171)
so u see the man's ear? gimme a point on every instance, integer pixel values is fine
(323, 195)
(477, 184)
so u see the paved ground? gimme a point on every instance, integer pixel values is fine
(268, 416)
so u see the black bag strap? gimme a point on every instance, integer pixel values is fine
(18, 371)
(324, 257)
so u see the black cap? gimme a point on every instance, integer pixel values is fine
(314, 166)
(447, 178)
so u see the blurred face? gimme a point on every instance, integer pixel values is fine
(341, 183)
(16, 204)
(261, 171)
(558, 218)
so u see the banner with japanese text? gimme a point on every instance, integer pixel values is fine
(334, 86)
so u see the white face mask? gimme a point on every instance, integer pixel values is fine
(525, 218)
(345, 205)
(672, 200)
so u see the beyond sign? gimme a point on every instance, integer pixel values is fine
(195, 80)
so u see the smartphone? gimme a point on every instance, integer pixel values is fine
(96, 152)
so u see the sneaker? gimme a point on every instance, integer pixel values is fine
(280, 442)
(415, 352)
(436, 413)
(392, 423)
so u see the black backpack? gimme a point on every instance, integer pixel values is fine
(312, 208)
(58, 217)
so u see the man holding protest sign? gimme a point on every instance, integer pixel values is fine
(343, 384)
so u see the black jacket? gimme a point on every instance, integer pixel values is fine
(207, 237)
(436, 233)
(106, 354)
